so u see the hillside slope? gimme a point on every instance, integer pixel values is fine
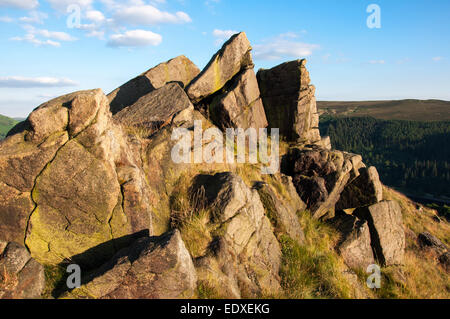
(6, 124)
(414, 110)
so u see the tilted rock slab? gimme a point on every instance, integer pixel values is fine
(364, 190)
(289, 101)
(386, 231)
(245, 258)
(21, 277)
(234, 56)
(156, 109)
(240, 106)
(179, 69)
(355, 245)
(151, 268)
(74, 189)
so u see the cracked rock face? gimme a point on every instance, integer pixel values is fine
(245, 258)
(151, 268)
(21, 277)
(68, 182)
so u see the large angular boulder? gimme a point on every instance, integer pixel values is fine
(180, 70)
(233, 57)
(289, 101)
(21, 277)
(364, 190)
(156, 109)
(240, 105)
(386, 231)
(74, 188)
(354, 245)
(245, 256)
(151, 268)
(319, 176)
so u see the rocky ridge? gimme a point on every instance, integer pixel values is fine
(88, 179)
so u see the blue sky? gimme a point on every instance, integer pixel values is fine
(42, 57)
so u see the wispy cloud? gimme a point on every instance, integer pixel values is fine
(52, 37)
(34, 17)
(437, 58)
(135, 38)
(377, 62)
(283, 46)
(20, 4)
(6, 19)
(36, 82)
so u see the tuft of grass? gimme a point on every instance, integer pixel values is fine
(196, 234)
(313, 270)
(55, 277)
(207, 291)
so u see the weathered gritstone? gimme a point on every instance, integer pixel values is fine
(75, 211)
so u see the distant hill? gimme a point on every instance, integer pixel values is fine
(6, 124)
(413, 110)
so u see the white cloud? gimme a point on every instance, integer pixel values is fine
(95, 16)
(21, 4)
(148, 15)
(32, 39)
(6, 19)
(437, 58)
(62, 5)
(55, 35)
(135, 38)
(223, 35)
(377, 62)
(283, 46)
(32, 33)
(35, 17)
(36, 82)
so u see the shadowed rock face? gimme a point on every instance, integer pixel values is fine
(180, 70)
(320, 176)
(21, 277)
(289, 101)
(152, 267)
(366, 189)
(386, 231)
